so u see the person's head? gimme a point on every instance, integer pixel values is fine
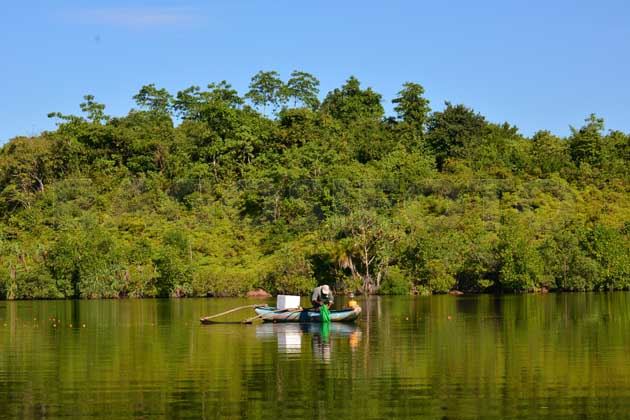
(351, 295)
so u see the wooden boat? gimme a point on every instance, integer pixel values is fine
(271, 314)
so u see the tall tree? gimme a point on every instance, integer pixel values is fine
(365, 240)
(265, 89)
(303, 87)
(154, 99)
(95, 111)
(223, 92)
(190, 102)
(586, 144)
(412, 107)
(451, 130)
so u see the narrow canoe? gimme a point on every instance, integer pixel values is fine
(269, 314)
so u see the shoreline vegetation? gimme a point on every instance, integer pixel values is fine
(205, 192)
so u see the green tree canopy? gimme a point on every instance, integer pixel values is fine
(586, 144)
(266, 89)
(412, 107)
(452, 129)
(224, 198)
(154, 99)
(351, 103)
(303, 87)
(95, 111)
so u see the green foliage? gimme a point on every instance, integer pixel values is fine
(291, 272)
(412, 107)
(521, 267)
(303, 87)
(350, 103)
(586, 144)
(154, 99)
(266, 88)
(549, 153)
(174, 273)
(95, 111)
(225, 199)
(224, 281)
(395, 282)
(609, 248)
(366, 245)
(139, 280)
(404, 173)
(192, 103)
(63, 264)
(453, 130)
(439, 278)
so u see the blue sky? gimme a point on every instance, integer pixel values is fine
(536, 64)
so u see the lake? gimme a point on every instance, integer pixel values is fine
(525, 356)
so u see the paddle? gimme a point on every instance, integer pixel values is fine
(208, 318)
(250, 320)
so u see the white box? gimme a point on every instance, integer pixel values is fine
(287, 302)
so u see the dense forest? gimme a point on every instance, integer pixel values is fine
(207, 192)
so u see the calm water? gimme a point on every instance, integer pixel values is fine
(534, 356)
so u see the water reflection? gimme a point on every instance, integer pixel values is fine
(521, 356)
(288, 336)
(292, 337)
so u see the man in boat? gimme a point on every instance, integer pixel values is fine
(322, 295)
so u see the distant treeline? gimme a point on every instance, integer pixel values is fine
(209, 193)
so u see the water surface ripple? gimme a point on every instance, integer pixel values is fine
(527, 356)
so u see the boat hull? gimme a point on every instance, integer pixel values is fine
(269, 314)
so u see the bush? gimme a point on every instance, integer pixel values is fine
(140, 281)
(439, 277)
(174, 275)
(520, 264)
(35, 283)
(223, 281)
(291, 273)
(395, 282)
(63, 263)
(612, 252)
(100, 279)
(584, 274)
